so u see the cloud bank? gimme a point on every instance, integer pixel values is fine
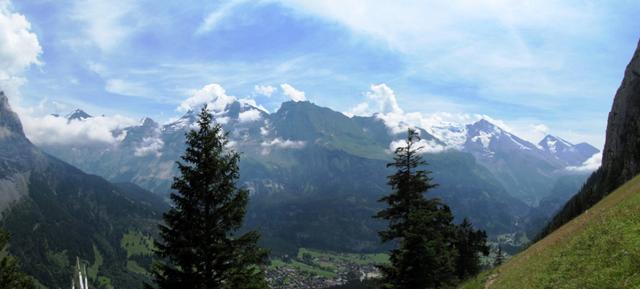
(590, 165)
(53, 130)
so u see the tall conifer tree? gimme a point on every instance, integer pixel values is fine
(421, 227)
(200, 247)
(470, 243)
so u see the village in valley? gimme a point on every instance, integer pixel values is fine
(320, 269)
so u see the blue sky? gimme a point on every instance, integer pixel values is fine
(544, 64)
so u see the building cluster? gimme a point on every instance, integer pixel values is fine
(290, 276)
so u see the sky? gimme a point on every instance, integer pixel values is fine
(535, 67)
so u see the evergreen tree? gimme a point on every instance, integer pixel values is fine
(422, 227)
(469, 244)
(10, 274)
(200, 246)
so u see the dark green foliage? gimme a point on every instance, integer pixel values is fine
(70, 213)
(469, 244)
(10, 274)
(422, 227)
(198, 242)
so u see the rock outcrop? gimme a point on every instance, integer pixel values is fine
(621, 158)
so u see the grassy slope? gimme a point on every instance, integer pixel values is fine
(598, 249)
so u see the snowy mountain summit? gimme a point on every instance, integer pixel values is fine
(567, 152)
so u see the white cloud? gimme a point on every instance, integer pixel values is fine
(249, 115)
(285, 144)
(107, 21)
(361, 109)
(292, 92)
(58, 131)
(264, 130)
(213, 19)
(540, 128)
(380, 99)
(212, 94)
(425, 146)
(221, 119)
(19, 48)
(266, 90)
(385, 98)
(267, 145)
(148, 146)
(590, 165)
(98, 68)
(126, 87)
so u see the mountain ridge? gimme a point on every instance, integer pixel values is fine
(305, 153)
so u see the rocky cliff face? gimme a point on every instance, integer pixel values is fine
(621, 155)
(621, 158)
(17, 157)
(16, 152)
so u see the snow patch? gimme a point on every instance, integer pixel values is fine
(484, 138)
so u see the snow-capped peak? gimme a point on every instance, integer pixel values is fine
(148, 122)
(487, 137)
(77, 114)
(567, 152)
(554, 144)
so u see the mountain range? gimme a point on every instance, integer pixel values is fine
(315, 174)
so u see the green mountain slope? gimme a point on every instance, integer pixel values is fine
(598, 249)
